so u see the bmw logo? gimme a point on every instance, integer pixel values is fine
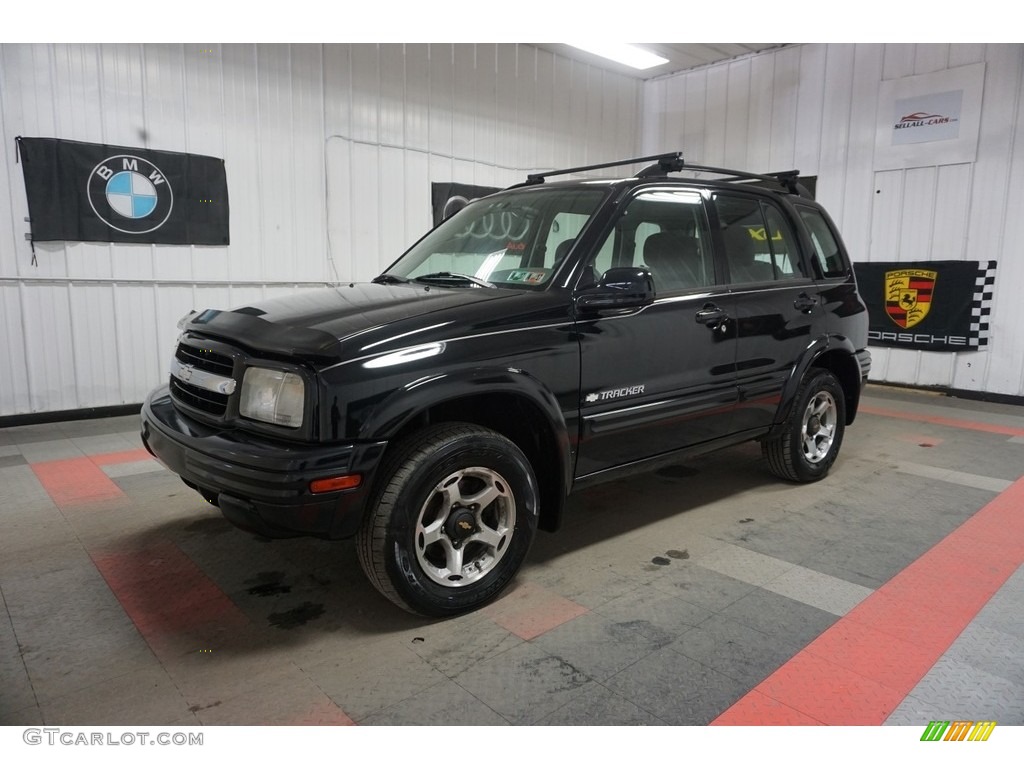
(130, 194)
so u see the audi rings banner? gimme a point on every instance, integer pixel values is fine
(448, 199)
(104, 193)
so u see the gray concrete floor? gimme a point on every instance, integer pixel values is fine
(693, 594)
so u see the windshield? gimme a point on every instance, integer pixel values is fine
(511, 239)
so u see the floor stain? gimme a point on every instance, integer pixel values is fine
(266, 590)
(747, 520)
(626, 631)
(268, 583)
(659, 560)
(296, 617)
(196, 708)
(678, 554)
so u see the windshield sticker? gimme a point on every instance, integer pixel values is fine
(525, 276)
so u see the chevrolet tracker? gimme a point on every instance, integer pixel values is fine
(543, 338)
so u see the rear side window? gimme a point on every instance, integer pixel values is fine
(826, 247)
(759, 243)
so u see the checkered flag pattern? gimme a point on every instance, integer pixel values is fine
(981, 305)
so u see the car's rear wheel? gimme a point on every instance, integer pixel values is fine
(452, 520)
(807, 447)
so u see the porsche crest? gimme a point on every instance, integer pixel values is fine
(908, 295)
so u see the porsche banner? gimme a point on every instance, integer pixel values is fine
(103, 193)
(942, 306)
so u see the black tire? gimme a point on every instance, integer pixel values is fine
(435, 556)
(820, 408)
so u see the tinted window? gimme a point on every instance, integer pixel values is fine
(516, 238)
(826, 248)
(667, 232)
(759, 243)
(785, 253)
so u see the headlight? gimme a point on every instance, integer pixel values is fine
(276, 397)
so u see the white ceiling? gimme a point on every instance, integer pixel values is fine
(680, 55)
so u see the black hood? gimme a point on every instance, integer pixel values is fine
(319, 323)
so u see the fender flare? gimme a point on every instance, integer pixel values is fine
(411, 400)
(832, 343)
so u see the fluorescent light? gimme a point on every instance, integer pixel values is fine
(624, 53)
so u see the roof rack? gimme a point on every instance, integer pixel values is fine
(788, 180)
(673, 162)
(671, 158)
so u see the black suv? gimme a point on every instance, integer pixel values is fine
(544, 338)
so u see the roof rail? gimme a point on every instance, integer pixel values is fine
(788, 180)
(672, 158)
(672, 162)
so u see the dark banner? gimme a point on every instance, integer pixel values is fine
(941, 306)
(449, 199)
(104, 193)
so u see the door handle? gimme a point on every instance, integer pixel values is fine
(712, 316)
(805, 303)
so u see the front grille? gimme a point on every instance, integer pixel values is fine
(202, 359)
(213, 403)
(205, 359)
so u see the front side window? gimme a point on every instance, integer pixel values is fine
(514, 239)
(667, 232)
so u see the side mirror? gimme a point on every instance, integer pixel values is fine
(619, 288)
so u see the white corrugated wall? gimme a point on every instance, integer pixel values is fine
(813, 107)
(330, 152)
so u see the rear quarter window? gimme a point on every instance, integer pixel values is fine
(826, 244)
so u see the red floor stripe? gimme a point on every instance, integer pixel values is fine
(324, 712)
(977, 426)
(164, 592)
(121, 457)
(81, 480)
(75, 481)
(173, 604)
(860, 669)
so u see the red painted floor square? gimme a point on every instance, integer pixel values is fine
(528, 610)
(75, 481)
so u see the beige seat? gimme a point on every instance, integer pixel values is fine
(739, 250)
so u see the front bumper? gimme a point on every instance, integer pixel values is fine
(261, 485)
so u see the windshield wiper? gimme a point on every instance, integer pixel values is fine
(386, 278)
(457, 277)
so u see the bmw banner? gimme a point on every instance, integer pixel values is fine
(110, 194)
(941, 306)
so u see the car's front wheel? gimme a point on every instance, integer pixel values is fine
(452, 520)
(807, 447)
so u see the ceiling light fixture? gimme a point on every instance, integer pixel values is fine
(623, 53)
